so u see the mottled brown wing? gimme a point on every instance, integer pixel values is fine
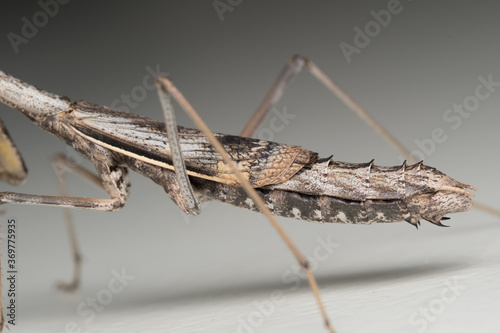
(262, 162)
(12, 168)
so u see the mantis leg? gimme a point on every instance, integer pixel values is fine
(110, 178)
(186, 106)
(186, 200)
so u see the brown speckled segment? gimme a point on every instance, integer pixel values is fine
(314, 208)
(435, 206)
(322, 208)
(367, 181)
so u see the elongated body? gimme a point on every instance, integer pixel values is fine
(194, 166)
(293, 181)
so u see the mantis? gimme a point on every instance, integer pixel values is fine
(196, 165)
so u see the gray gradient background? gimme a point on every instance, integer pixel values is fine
(203, 275)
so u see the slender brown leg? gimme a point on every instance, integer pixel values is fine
(485, 208)
(111, 178)
(292, 68)
(169, 86)
(116, 200)
(61, 165)
(187, 199)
